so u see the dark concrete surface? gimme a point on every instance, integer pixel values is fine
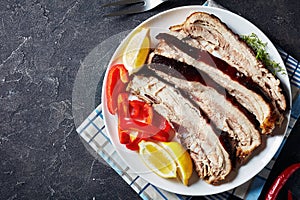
(42, 44)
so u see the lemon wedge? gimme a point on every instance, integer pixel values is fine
(137, 50)
(182, 159)
(157, 159)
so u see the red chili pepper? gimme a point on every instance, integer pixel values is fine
(280, 181)
(116, 79)
(290, 195)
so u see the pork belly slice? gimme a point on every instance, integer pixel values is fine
(220, 72)
(211, 160)
(210, 33)
(222, 113)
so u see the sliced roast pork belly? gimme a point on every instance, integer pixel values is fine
(244, 90)
(207, 31)
(226, 116)
(211, 160)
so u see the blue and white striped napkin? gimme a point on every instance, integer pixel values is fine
(93, 131)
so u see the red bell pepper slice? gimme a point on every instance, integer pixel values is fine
(127, 110)
(137, 116)
(162, 133)
(124, 136)
(166, 132)
(116, 79)
(134, 144)
(123, 106)
(161, 136)
(141, 111)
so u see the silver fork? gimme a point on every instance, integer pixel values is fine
(143, 5)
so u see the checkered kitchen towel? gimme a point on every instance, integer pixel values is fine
(93, 131)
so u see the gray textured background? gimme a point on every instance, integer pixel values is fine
(42, 45)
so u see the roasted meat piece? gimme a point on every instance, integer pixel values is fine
(194, 132)
(208, 32)
(248, 93)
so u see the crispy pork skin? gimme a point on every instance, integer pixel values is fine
(246, 92)
(208, 32)
(211, 160)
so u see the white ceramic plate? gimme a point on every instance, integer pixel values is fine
(160, 23)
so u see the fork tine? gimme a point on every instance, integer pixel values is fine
(122, 2)
(126, 12)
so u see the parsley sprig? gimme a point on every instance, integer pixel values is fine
(260, 50)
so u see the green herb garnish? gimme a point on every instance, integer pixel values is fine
(260, 50)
